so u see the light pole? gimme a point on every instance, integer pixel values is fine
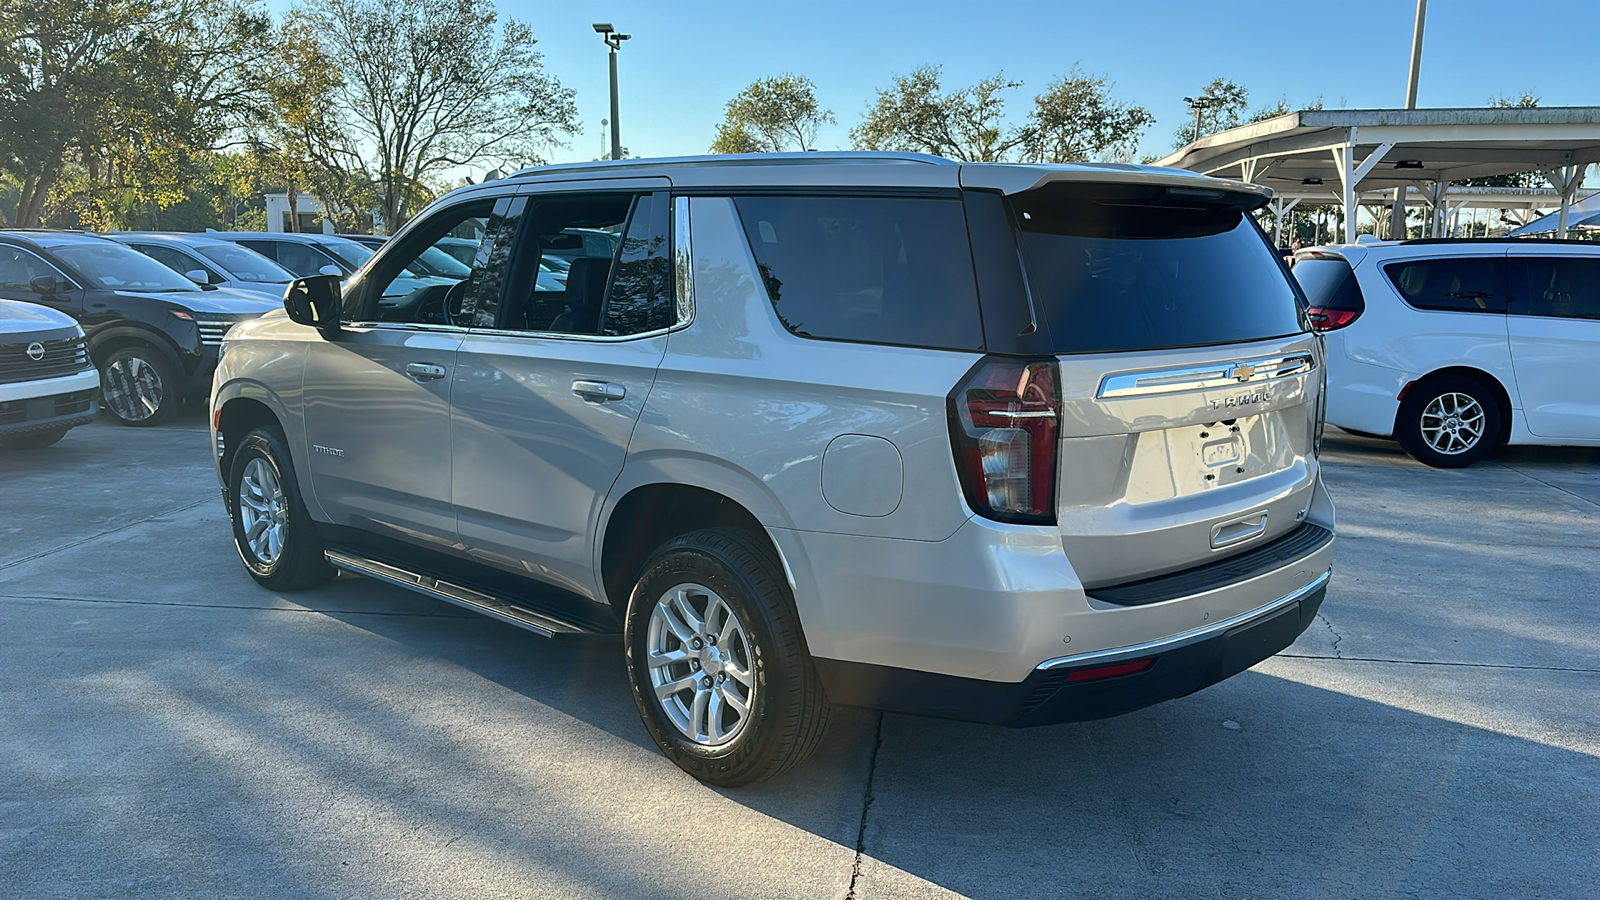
(1416, 55)
(1199, 105)
(614, 41)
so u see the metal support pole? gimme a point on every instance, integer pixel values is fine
(616, 121)
(1416, 55)
(1397, 215)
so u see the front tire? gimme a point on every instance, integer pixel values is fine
(717, 660)
(139, 387)
(271, 528)
(37, 441)
(1450, 422)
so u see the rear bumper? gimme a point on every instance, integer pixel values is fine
(1179, 665)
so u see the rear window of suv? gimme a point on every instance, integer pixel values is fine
(877, 270)
(1141, 267)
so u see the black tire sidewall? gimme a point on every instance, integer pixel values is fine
(171, 389)
(679, 562)
(1409, 429)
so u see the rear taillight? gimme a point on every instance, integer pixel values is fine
(1005, 423)
(1324, 319)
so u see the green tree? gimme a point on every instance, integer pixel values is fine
(426, 86)
(1076, 119)
(1526, 100)
(917, 115)
(771, 116)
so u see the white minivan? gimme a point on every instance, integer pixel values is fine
(1453, 347)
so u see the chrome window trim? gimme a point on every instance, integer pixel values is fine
(1194, 378)
(682, 262)
(1184, 639)
(407, 326)
(566, 336)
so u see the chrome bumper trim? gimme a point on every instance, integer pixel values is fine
(1184, 639)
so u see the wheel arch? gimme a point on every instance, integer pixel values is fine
(650, 514)
(107, 341)
(1501, 395)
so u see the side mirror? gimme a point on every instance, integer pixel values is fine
(44, 285)
(198, 276)
(314, 301)
(331, 270)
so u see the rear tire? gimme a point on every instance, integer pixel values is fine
(139, 387)
(37, 441)
(712, 614)
(1449, 422)
(271, 529)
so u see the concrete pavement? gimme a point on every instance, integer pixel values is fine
(168, 728)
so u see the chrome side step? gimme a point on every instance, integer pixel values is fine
(541, 623)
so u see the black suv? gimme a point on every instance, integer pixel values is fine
(153, 334)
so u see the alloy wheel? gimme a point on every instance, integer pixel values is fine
(133, 389)
(701, 666)
(1453, 423)
(263, 511)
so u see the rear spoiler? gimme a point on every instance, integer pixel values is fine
(1016, 179)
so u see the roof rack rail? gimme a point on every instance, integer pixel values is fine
(811, 158)
(1500, 240)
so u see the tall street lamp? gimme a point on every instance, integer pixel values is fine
(614, 41)
(1200, 104)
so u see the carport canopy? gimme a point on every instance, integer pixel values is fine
(1352, 151)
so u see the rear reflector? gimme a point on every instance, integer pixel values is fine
(1111, 671)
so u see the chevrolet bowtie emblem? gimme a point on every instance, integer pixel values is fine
(1243, 372)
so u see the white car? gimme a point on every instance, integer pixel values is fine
(1453, 347)
(48, 383)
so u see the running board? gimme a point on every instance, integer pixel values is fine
(544, 624)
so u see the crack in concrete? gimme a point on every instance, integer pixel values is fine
(1337, 637)
(1547, 484)
(1447, 663)
(94, 537)
(866, 805)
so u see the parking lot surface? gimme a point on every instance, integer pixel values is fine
(170, 729)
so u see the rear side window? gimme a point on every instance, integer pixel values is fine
(1139, 267)
(877, 270)
(1562, 287)
(1452, 283)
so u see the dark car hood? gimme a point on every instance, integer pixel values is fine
(218, 301)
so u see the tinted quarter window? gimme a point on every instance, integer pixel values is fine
(640, 298)
(1136, 267)
(879, 270)
(1563, 287)
(1453, 283)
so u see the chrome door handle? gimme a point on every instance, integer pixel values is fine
(424, 371)
(599, 391)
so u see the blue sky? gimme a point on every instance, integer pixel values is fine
(686, 59)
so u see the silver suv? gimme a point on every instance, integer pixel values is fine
(1006, 443)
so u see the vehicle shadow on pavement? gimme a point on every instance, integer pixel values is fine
(1266, 785)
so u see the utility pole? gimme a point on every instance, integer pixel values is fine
(1416, 55)
(614, 41)
(1397, 216)
(1200, 104)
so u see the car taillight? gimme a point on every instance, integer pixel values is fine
(1005, 424)
(1324, 319)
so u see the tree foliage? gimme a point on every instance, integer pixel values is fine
(107, 107)
(1074, 119)
(424, 86)
(917, 115)
(771, 116)
(1226, 103)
